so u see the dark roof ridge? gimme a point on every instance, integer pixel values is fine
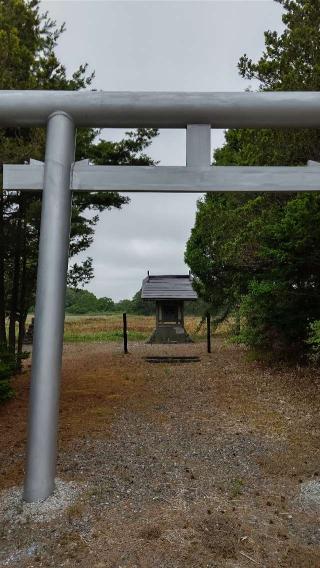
(169, 276)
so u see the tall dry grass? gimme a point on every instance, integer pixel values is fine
(109, 327)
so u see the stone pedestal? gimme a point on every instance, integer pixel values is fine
(170, 334)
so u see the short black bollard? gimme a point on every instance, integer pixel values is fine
(125, 334)
(208, 333)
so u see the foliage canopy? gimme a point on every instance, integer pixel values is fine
(28, 60)
(258, 254)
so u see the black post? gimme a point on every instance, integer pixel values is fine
(125, 334)
(208, 333)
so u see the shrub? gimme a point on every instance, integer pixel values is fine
(7, 369)
(313, 341)
(276, 318)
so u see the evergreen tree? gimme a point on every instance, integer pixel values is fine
(259, 252)
(28, 40)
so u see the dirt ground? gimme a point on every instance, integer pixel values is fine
(202, 464)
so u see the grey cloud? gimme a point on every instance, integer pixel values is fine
(155, 45)
(149, 233)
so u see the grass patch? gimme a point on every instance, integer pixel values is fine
(72, 337)
(237, 487)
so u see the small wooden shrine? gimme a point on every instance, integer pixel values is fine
(169, 292)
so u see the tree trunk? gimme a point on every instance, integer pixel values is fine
(22, 300)
(237, 326)
(3, 335)
(13, 317)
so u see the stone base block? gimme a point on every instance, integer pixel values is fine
(170, 334)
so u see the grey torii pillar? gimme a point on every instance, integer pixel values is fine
(49, 313)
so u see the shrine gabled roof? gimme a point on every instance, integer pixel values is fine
(168, 287)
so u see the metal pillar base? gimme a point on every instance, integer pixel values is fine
(49, 313)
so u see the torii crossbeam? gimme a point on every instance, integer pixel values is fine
(61, 112)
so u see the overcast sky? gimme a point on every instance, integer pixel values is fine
(163, 46)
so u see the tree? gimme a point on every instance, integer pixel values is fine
(218, 277)
(84, 302)
(28, 40)
(142, 307)
(259, 253)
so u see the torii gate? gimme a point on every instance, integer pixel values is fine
(61, 112)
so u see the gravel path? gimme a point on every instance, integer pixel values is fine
(209, 464)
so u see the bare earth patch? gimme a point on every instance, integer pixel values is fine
(208, 464)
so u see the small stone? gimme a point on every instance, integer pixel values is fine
(310, 494)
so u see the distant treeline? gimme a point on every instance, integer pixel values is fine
(80, 301)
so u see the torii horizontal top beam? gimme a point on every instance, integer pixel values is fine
(163, 109)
